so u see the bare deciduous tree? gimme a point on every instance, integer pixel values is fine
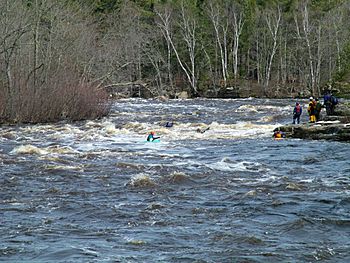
(12, 29)
(312, 38)
(237, 23)
(220, 22)
(273, 21)
(188, 27)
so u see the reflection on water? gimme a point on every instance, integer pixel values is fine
(96, 191)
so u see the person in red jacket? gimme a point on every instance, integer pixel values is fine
(297, 112)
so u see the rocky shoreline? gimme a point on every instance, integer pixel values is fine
(335, 127)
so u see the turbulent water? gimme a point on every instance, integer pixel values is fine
(96, 191)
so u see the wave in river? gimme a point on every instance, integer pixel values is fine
(217, 188)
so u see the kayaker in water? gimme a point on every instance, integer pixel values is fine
(278, 134)
(151, 137)
(199, 130)
(169, 124)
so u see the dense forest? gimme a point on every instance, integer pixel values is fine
(58, 57)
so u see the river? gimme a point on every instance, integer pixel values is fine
(96, 191)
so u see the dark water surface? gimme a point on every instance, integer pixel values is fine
(95, 191)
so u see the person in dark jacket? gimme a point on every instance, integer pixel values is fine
(318, 109)
(334, 101)
(169, 124)
(327, 102)
(297, 113)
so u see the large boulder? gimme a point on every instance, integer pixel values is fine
(182, 95)
(323, 130)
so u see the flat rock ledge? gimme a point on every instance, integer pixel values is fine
(319, 131)
(336, 128)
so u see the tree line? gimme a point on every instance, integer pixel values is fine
(58, 56)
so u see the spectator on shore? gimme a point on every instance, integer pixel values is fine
(327, 102)
(311, 109)
(330, 101)
(297, 112)
(318, 109)
(334, 101)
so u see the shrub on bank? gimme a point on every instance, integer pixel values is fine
(61, 98)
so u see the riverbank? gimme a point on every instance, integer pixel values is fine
(335, 127)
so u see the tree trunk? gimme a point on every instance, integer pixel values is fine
(214, 14)
(273, 25)
(237, 30)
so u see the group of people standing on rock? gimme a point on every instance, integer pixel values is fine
(314, 108)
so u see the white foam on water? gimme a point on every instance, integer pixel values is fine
(64, 167)
(246, 108)
(267, 178)
(110, 129)
(190, 131)
(103, 136)
(29, 149)
(61, 149)
(226, 165)
(187, 164)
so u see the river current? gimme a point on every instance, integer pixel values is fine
(96, 191)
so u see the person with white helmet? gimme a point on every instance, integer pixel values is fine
(311, 109)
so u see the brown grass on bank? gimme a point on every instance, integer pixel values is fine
(64, 97)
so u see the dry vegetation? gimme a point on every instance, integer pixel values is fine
(46, 57)
(58, 57)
